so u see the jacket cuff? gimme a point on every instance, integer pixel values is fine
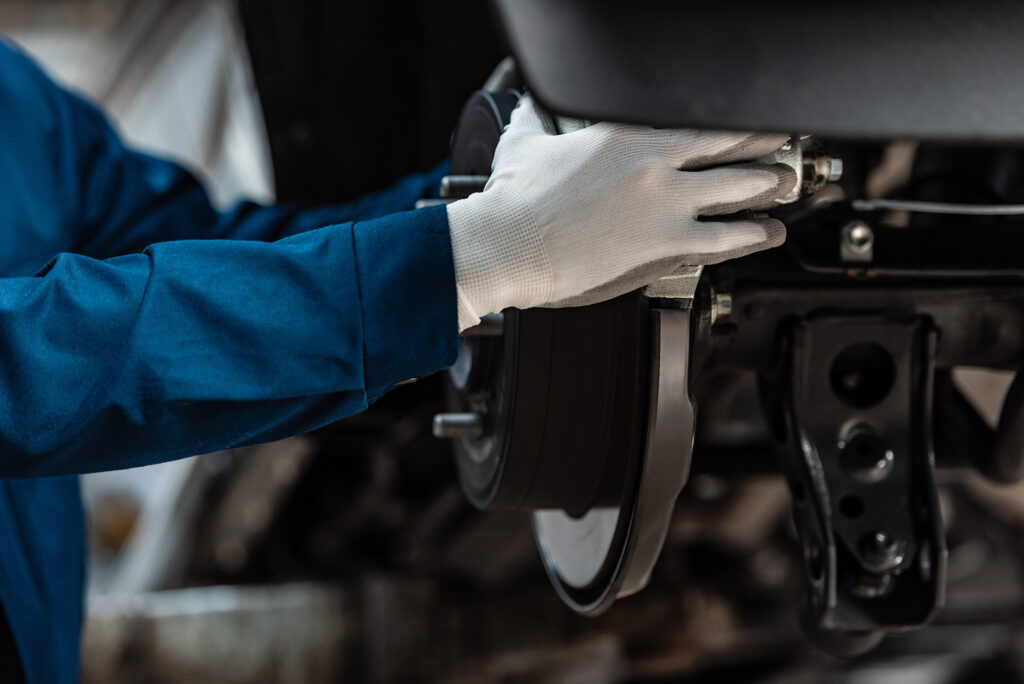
(407, 294)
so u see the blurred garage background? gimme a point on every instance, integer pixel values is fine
(351, 554)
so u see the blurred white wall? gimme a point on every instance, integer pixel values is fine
(175, 77)
(173, 74)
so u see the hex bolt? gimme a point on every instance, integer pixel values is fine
(452, 425)
(880, 552)
(721, 307)
(459, 187)
(835, 169)
(857, 242)
(860, 236)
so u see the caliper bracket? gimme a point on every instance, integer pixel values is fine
(853, 409)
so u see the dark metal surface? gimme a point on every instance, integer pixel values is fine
(943, 247)
(356, 95)
(576, 551)
(480, 124)
(562, 395)
(855, 422)
(981, 326)
(940, 70)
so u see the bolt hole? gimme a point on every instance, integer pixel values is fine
(862, 374)
(864, 456)
(851, 506)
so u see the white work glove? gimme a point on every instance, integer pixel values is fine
(575, 219)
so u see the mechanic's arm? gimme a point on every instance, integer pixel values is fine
(192, 346)
(195, 346)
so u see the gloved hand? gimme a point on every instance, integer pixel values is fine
(575, 219)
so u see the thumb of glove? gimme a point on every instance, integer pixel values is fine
(527, 120)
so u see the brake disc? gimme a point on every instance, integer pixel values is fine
(581, 416)
(627, 537)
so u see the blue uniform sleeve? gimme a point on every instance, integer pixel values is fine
(137, 354)
(195, 346)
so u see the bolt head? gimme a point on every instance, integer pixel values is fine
(721, 307)
(858, 236)
(835, 169)
(881, 552)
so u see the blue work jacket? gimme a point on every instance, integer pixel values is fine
(138, 324)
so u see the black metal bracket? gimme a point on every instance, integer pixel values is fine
(853, 409)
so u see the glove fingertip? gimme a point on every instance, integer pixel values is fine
(786, 179)
(731, 239)
(774, 232)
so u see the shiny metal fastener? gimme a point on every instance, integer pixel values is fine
(857, 242)
(452, 425)
(459, 187)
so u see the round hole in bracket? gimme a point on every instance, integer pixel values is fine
(862, 374)
(864, 456)
(851, 506)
